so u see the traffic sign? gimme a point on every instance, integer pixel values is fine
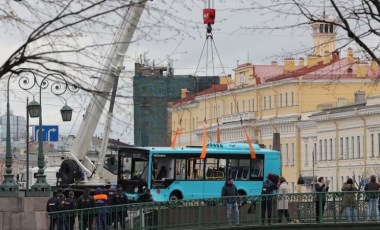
(49, 132)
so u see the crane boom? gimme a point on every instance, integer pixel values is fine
(108, 74)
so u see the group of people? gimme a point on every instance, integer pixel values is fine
(94, 208)
(350, 199)
(229, 190)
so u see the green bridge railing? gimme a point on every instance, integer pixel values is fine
(211, 213)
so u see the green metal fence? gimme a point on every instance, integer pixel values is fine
(211, 213)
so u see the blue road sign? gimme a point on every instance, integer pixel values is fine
(49, 132)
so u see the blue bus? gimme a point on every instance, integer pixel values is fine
(179, 173)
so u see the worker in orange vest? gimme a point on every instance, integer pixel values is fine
(101, 200)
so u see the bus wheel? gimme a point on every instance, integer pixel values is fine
(243, 201)
(175, 196)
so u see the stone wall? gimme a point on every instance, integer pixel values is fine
(23, 213)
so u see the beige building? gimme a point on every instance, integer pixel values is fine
(275, 98)
(345, 141)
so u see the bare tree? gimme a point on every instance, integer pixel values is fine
(71, 37)
(359, 20)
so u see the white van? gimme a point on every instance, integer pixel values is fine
(50, 172)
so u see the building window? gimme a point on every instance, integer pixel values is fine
(193, 123)
(358, 145)
(287, 153)
(292, 153)
(331, 149)
(320, 151)
(232, 108)
(306, 153)
(280, 99)
(270, 102)
(378, 142)
(341, 148)
(314, 153)
(286, 99)
(325, 149)
(353, 147)
(253, 105)
(265, 103)
(292, 98)
(372, 146)
(347, 155)
(249, 105)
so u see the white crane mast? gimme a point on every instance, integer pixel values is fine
(111, 69)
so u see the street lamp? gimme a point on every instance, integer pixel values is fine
(58, 87)
(9, 186)
(41, 187)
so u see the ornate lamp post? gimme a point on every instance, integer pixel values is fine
(41, 187)
(59, 86)
(9, 186)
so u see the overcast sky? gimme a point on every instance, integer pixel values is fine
(234, 45)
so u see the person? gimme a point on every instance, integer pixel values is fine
(52, 206)
(282, 201)
(349, 201)
(62, 216)
(111, 212)
(87, 202)
(119, 198)
(266, 203)
(101, 200)
(70, 205)
(320, 188)
(373, 198)
(229, 190)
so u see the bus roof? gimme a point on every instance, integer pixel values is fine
(217, 148)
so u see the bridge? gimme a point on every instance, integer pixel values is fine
(206, 213)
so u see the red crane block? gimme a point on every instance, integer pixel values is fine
(208, 16)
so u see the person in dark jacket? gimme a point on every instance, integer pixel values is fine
(120, 198)
(349, 201)
(111, 213)
(52, 206)
(86, 202)
(61, 217)
(320, 188)
(229, 191)
(267, 200)
(373, 198)
(101, 200)
(70, 205)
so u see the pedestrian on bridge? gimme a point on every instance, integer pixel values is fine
(373, 198)
(229, 192)
(101, 201)
(52, 206)
(283, 201)
(349, 201)
(70, 205)
(120, 198)
(267, 199)
(321, 188)
(86, 202)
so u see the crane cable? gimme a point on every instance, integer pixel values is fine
(209, 19)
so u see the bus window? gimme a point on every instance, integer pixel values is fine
(163, 168)
(215, 169)
(195, 169)
(257, 169)
(180, 169)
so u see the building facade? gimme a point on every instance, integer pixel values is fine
(153, 88)
(274, 98)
